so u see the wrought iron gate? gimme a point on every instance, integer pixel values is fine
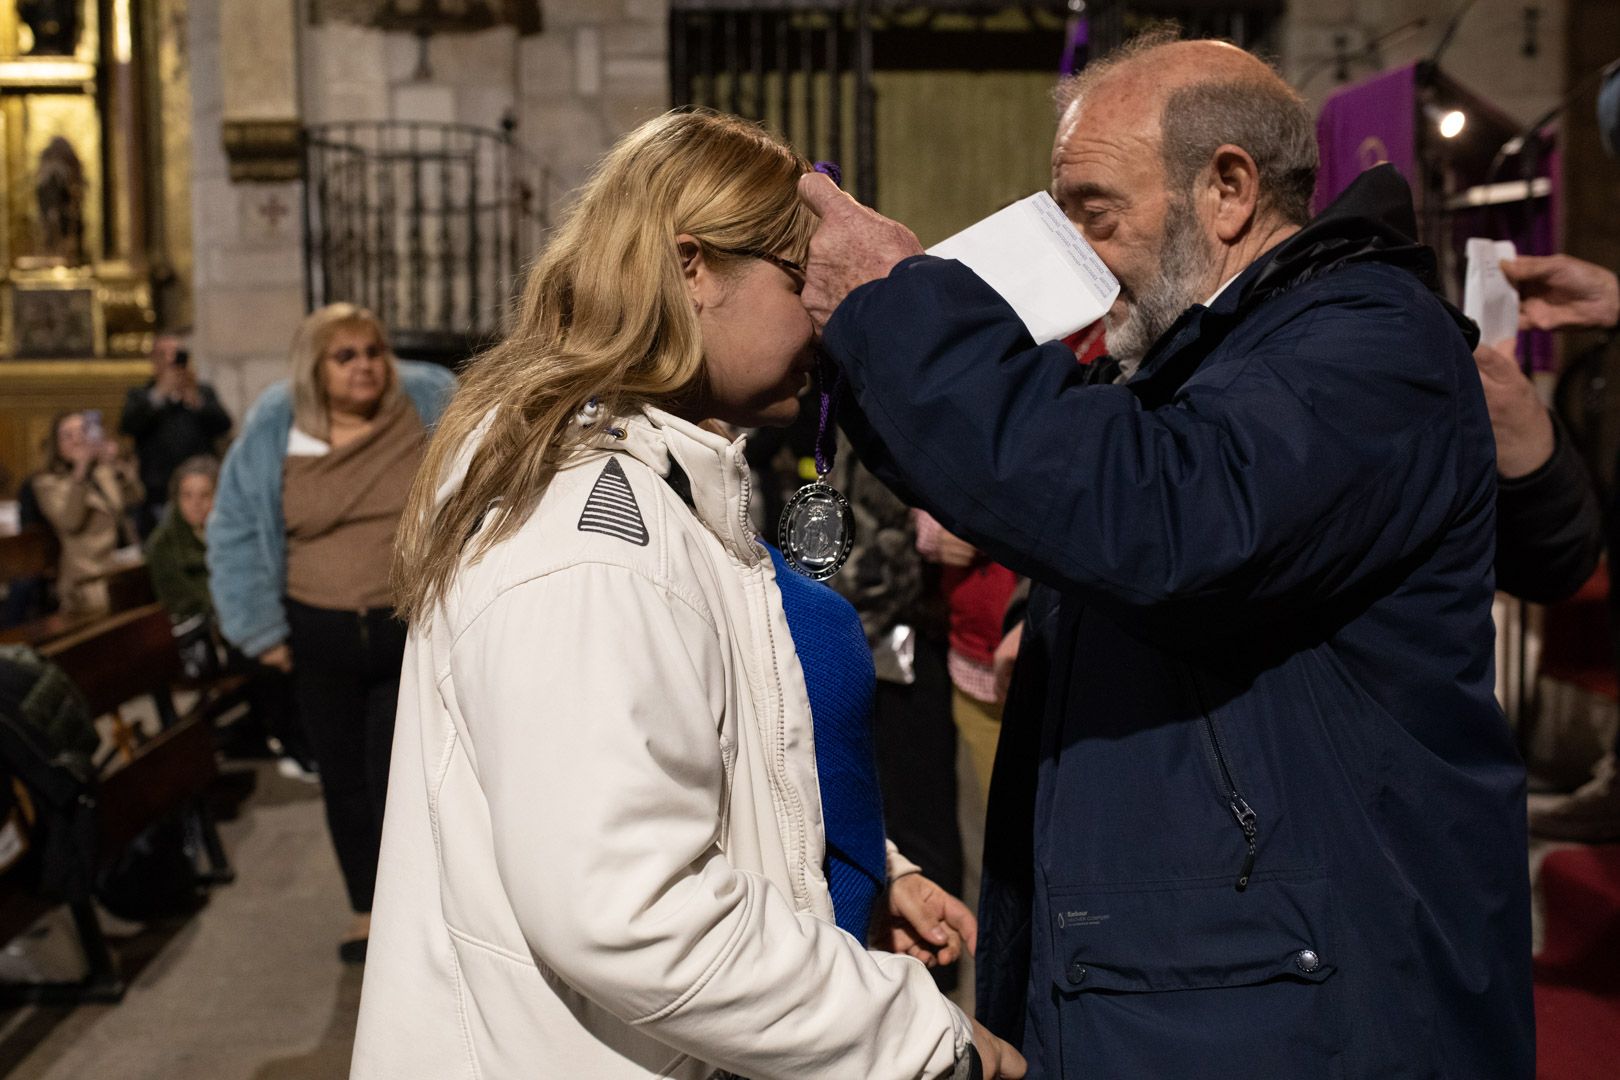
(1249, 23)
(796, 66)
(805, 68)
(428, 225)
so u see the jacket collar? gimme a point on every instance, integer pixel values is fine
(716, 477)
(1372, 221)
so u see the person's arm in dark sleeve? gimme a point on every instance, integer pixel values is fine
(215, 420)
(1549, 528)
(1286, 479)
(139, 413)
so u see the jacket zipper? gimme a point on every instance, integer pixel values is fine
(1239, 807)
(794, 841)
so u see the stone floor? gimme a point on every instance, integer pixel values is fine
(250, 988)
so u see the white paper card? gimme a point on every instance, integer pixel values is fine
(1488, 297)
(1035, 258)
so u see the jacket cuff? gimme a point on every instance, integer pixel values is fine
(968, 1064)
(256, 645)
(897, 865)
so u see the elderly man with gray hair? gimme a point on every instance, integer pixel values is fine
(1255, 812)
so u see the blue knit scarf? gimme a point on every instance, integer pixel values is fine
(839, 678)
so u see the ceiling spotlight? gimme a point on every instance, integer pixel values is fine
(1449, 122)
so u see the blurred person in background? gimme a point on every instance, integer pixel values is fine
(977, 591)
(177, 560)
(309, 500)
(172, 418)
(1560, 292)
(177, 550)
(86, 492)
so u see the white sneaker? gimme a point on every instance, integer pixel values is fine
(292, 770)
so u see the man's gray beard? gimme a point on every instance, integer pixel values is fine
(1184, 264)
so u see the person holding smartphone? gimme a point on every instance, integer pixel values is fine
(172, 418)
(85, 492)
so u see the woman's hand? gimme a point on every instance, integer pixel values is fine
(108, 451)
(279, 657)
(926, 922)
(997, 1057)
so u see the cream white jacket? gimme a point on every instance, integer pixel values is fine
(603, 850)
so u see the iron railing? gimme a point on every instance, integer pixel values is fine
(801, 68)
(429, 225)
(805, 68)
(1250, 23)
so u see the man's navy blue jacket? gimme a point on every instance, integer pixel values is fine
(1255, 811)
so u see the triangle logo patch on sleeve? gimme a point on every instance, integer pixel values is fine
(611, 508)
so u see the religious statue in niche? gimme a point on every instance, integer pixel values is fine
(59, 190)
(54, 25)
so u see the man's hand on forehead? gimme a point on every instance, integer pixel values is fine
(853, 245)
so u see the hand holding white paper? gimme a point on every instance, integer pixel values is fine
(1488, 297)
(1040, 264)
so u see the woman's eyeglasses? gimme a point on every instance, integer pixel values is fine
(345, 355)
(795, 270)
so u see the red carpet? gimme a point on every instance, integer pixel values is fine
(1578, 969)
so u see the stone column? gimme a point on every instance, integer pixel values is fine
(248, 285)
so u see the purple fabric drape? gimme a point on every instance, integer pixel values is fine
(1365, 125)
(1076, 46)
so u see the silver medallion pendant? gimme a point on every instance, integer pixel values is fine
(817, 531)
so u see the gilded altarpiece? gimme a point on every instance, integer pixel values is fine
(95, 200)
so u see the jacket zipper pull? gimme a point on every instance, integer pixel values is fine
(1246, 819)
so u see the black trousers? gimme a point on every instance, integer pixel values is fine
(346, 679)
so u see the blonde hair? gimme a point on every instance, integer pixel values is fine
(310, 407)
(605, 314)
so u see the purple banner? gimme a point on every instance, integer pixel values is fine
(1365, 125)
(1076, 46)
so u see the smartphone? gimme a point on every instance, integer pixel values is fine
(93, 432)
(182, 357)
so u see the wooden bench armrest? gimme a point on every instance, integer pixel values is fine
(175, 766)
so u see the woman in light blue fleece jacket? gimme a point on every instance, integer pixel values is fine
(299, 545)
(247, 539)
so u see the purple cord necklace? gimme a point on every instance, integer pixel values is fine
(817, 529)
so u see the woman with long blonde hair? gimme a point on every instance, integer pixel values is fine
(605, 853)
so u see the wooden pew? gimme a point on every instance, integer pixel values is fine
(122, 658)
(128, 588)
(27, 564)
(30, 552)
